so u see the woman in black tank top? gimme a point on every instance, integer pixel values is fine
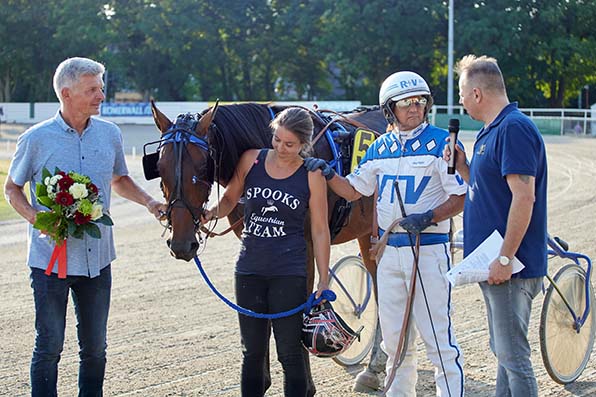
(271, 267)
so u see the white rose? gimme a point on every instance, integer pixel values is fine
(96, 212)
(78, 191)
(46, 181)
(55, 179)
(50, 189)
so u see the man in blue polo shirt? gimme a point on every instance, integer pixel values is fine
(72, 141)
(507, 181)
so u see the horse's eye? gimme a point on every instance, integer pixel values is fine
(194, 179)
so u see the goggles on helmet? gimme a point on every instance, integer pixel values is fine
(406, 103)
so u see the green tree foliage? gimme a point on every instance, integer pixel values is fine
(565, 39)
(157, 45)
(367, 40)
(546, 48)
(295, 49)
(302, 71)
(37, 35)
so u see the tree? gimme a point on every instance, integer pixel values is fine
(157, 45)
(36, 36)
(369, 40)
(295, 49)
(300, 62)
(544, 48)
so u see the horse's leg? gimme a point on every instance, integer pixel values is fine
(369, 378)
(370, 264)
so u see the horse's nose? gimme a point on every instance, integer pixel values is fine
(185, 250)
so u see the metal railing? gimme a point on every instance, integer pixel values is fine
(549, 121)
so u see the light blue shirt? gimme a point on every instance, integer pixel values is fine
(97, 153)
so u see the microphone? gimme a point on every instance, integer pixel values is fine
(453, 131)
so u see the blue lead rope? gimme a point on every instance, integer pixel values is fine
(310, 302)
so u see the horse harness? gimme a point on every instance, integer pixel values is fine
(179, 135)
(339, 133)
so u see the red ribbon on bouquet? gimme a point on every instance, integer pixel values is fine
(59, 254)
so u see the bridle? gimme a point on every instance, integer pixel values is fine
(181, 134)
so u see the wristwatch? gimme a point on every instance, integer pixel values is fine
(504, 260)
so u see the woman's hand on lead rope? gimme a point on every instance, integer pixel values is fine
(321, 286)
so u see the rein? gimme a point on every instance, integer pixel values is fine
(404, 335)
(405, 330)
(211, 233)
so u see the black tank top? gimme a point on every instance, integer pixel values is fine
(274, 211)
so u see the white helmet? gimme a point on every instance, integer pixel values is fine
(402, 85)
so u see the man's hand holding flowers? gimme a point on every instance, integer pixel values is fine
(75, 208)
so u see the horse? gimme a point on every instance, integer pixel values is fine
(195, 152)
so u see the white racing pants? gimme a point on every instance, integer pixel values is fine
(393, 278)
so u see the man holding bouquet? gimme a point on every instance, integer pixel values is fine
(71, 162)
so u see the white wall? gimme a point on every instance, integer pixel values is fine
(19, 112)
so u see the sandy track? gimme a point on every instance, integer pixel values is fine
(170, 336)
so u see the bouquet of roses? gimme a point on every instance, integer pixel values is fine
(75, 208)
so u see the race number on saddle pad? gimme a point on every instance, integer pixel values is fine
(362, 140)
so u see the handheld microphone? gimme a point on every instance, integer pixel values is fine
(453, 131)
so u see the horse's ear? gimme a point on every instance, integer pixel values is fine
(162, 121)
(206, 119)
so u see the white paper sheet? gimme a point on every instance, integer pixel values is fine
(475, 267)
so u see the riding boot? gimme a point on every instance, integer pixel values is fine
(370, 379)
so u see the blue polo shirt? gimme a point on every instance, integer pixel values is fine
(511, 144)
(97, 153)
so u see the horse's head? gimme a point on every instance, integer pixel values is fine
(186, 172)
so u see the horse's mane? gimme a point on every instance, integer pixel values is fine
(239, 128)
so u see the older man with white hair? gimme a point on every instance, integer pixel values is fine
(75, 141)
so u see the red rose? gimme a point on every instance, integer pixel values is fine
(64, 198)
(65, 182)
(81, 219)
(61, 173)
(92, 188)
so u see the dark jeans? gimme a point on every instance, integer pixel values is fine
(271, 295)
(91, 298)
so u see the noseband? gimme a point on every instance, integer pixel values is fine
(180, 135)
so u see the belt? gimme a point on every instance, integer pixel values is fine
(403, 239)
